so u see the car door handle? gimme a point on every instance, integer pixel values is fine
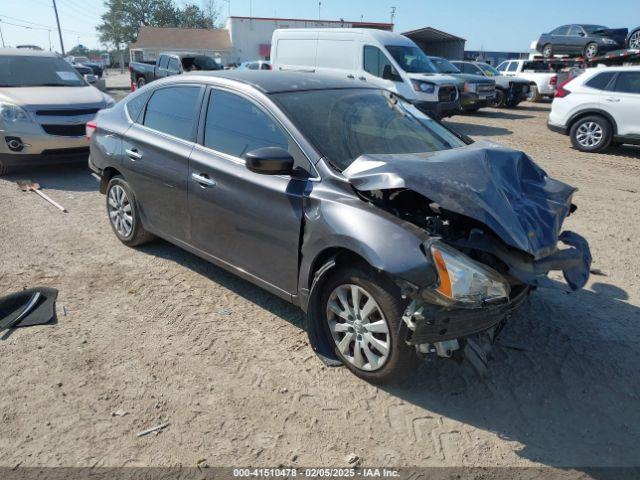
(203, 179)
(351, 76)
(133, 154)
(364, 79)
(611, 99)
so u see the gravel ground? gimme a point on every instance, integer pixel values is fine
(166, 337)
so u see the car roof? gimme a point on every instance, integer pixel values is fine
(268, 81)
(25, 52)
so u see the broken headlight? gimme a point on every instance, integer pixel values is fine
(465, 281)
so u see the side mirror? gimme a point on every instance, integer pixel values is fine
(390, 73)
(269, 161)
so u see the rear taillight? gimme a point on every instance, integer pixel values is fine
(562, 92)
(133, 86)
(90, 128)
(554, 81)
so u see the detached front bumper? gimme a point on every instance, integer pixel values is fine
(430, 324)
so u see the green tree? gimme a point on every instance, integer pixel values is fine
(123, 18)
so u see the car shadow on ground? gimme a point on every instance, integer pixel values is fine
(70, 177)
(499, 114)
(632, 151)
(563, 379)
(563, 382)
(544, 106)
(477, 130)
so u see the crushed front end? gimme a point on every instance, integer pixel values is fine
(493, 223)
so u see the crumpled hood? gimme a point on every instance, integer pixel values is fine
(502, 188)
(617, 34)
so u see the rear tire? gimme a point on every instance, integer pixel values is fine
(377, 354)
(124, 215)
(591, 50)
(591, 134)
(634, 40)
(141, 82)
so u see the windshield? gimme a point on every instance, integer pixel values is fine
(199, 62)
(346, 123)
(593, 28)
(411, 59)
(488, 70)
(27, 71)
(81, 59)
(444, 66)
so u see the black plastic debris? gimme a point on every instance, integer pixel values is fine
(34, 306)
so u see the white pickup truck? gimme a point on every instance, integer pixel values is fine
(544, 80)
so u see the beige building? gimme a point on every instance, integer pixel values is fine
(152, 41)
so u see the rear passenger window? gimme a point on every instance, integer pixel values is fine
(164, 60)
(235, 126)
(134, 106)
(628, 82)
(173, 110)
(503, 66)
(375, 61)
(600, 81)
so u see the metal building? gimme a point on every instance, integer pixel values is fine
(438, 43)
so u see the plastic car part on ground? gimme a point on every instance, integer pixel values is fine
(34, 306)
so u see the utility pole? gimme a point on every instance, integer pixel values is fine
(55, 9)
(393, 14)
(49, 32)
(1, 35)
(319, 7)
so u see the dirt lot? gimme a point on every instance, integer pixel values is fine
(166, 337)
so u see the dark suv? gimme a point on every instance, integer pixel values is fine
(396, 235)
(476, 91)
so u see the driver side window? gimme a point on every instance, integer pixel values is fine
(375, 62)
(234, 125)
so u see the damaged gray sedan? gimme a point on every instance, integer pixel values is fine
(397, 236)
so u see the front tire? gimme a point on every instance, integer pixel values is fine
(547, 51)
(124, 214)
(534, 94)
(500, 99)
(141, 82)
(591, 134)
(362, 317)
(634, 40)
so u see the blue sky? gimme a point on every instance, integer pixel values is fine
(508, 25)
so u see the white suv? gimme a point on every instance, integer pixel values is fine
(598, 108)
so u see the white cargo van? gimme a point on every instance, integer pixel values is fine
(385, 59)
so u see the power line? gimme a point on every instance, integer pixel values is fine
(47, 27)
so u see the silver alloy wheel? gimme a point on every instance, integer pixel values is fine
(547, 52)
(592, 50)
(120, 212)
(589, 134)
(358, 327)
(634, 41)
(141, 82)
